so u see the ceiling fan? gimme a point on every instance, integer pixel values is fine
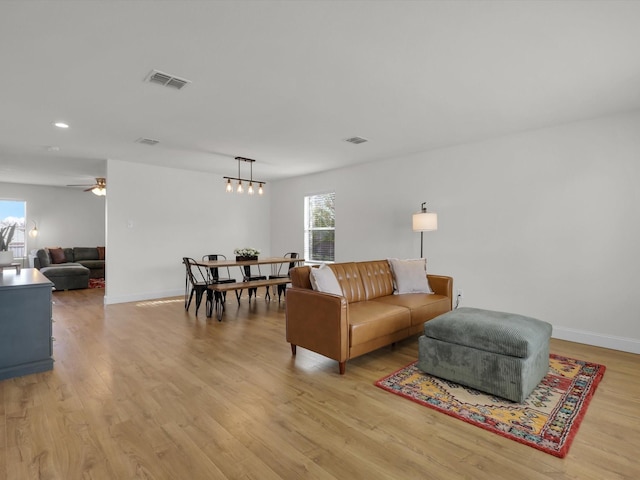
(99, 188)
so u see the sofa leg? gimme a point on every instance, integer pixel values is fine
(343, 367)
(293, 349)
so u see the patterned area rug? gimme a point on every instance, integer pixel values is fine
(547, 420)
(96, 283)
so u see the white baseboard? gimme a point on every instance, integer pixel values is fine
(623, 344)
(137, 297)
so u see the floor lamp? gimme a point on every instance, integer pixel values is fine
(424, 221)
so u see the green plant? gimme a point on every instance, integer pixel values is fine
(6, 235)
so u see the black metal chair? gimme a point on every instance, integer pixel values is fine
(281, 274)
(198, 278)
(216, 278)
(247, 276)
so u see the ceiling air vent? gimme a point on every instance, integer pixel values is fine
(356, 140)
(147, 141)
(167, 80)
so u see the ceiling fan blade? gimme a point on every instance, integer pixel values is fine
(101, 183)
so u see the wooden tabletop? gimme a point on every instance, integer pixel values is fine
(259, 261)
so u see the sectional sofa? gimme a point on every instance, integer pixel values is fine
(371, 305)
(71, 268)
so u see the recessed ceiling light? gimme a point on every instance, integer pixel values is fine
(53, 148)
(61, 125)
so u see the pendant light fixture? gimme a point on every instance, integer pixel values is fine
(239, 186)
(33, 233)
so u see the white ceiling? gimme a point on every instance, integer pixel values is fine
(286, 82)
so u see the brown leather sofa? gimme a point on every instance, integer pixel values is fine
(366, 317)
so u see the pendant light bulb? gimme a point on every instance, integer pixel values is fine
(238, 187)
(33, 233)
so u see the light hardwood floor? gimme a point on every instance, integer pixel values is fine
(147, 391)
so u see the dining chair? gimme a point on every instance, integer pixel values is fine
(216, 278)
(279, 273)
(249, 276)
(198, 278)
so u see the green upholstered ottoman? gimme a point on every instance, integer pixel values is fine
(503, 354)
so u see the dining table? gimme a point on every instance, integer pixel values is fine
(245, 284)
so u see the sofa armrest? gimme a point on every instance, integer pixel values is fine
(441, 285)
(318, 322)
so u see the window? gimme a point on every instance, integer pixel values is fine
(320, 227)
(12, 212)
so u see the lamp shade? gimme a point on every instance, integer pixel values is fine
(425, 221)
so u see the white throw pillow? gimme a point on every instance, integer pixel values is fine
(410, 276)
(324, 280)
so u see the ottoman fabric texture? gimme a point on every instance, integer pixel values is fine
(68, 276)
(499, 332)
(499, 353)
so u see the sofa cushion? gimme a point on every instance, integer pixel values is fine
(85, 253)
(43, 257)
(68, 252)
(350, 281)
(423, 306)
(324, 280)
(57, 255)
(369, 320)
(410, 276)
(376, 278)
(92, 264)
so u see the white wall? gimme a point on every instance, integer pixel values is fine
(173, 214)
(66, 217)
(543, 223)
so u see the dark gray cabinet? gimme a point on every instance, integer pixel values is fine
(25, 323)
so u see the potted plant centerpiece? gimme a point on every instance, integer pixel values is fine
(246, 254)
(6, 235)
